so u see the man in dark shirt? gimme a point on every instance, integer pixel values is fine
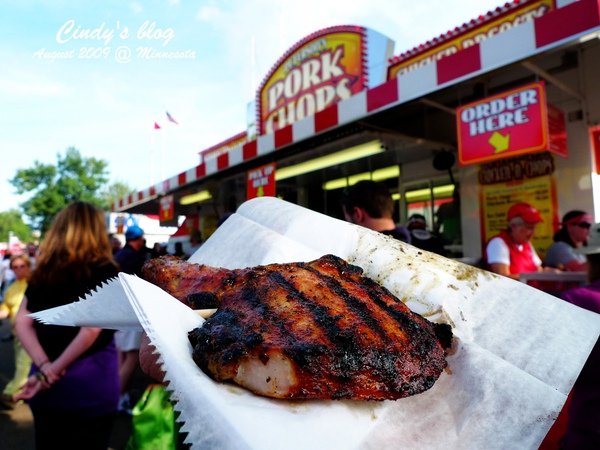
(132, 257)
(422, 238)
(369, 204)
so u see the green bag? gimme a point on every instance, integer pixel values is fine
(153, 421)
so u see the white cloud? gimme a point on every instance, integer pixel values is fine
(136, 7)
(208, 13)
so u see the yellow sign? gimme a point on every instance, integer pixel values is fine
(319, 71)
(527, 179)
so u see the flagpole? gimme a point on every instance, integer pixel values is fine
(152, 156)
(171, 119)
(164, 156)
(253, 75)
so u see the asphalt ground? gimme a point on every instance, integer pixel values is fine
(16, 425)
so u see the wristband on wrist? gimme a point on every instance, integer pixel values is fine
(41, 376)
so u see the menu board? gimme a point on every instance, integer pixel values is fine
(527, 179)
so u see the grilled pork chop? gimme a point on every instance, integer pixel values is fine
(305, 330)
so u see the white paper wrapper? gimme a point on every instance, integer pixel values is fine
(518, 350)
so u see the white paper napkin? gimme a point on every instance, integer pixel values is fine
(518, 350)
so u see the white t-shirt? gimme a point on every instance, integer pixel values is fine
(498, 253)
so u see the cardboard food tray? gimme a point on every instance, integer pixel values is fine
(516, 356)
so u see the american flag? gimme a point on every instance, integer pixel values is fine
(170, 117)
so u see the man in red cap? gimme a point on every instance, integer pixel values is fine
(510, 252)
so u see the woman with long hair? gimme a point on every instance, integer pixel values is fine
(73, 389)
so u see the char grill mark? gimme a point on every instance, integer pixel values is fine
(309, 330)
(358, 298)
(202, 300)
(409, 322)
(355, 304)
(366, 319)
(349, 346)
(318, 313)
(326, 341)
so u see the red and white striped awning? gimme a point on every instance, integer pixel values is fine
(562, 26)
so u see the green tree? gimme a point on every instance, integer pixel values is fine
(115, 192)
(11, 221)
(52, 187)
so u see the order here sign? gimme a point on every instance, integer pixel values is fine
(508, 124)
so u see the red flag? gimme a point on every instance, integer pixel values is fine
(170, 117)
(156, 126)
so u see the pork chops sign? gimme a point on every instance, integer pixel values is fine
(507, 124)
(322, 69)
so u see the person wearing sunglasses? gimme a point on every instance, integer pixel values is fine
(582, 410)
(21, 265)
(573, 235)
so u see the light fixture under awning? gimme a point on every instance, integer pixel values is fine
(384, 173)
(195, 198)
(333, 159)
(424, 194)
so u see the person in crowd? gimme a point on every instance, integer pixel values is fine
(32, 254)
(8, 276)
(179, 250)
(421, 237)
(573, 235)
(133, 255)
(115, 243)
(583, 418)
(511, 252)
(369, 204)
(448, 223)
(21, 265)
(73, 389)
(195, 242)
(130, 258)
(158, 250)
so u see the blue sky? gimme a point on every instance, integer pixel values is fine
(52, 96)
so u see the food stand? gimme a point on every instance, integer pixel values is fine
(519, 349)
(410, 117)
